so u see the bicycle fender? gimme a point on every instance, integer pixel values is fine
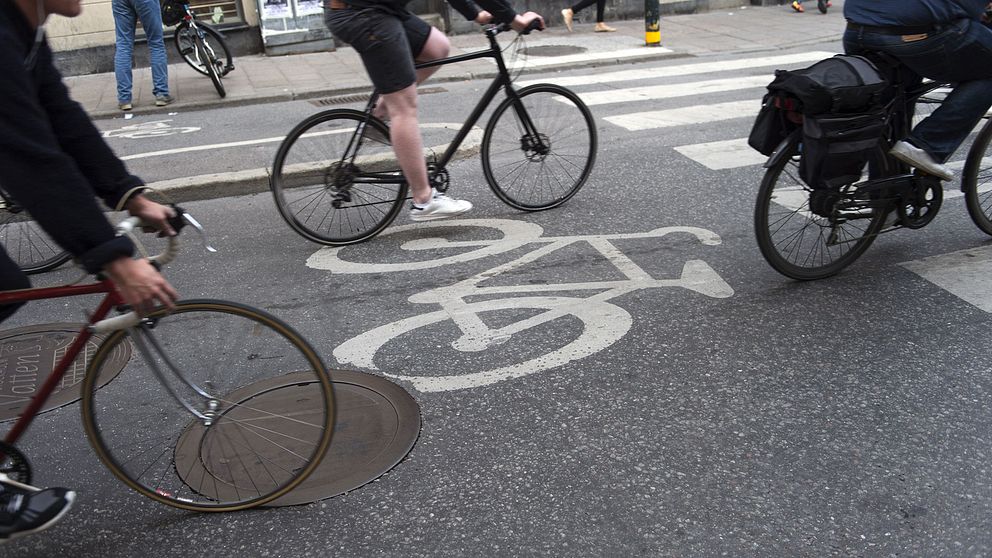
(781, 150)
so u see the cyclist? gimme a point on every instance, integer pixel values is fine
(53, 161)
(390, 39)
(944, 40)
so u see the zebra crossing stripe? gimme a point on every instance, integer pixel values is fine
(718, 155)
(672, 91)
(698, 114)
(683, 69)
(963, 273)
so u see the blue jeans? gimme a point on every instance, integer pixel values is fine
(961, 53)
(126, 16)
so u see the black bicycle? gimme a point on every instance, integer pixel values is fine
(808, 234)
(203, 48)
(335, 179)
(25, 241)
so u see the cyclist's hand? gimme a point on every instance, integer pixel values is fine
(140, 284)
(484, 17)
(154, 214)
(522, 21)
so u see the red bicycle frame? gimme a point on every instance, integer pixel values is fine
(112, 300)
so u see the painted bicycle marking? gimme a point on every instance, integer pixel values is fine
(152, 129)
(603, 323)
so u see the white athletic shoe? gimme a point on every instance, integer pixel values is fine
(440, 207)
(920, 159)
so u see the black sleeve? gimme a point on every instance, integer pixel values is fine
(44, 171)
(501, 10)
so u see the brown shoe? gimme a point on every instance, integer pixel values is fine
(603, 28)
(567, 14)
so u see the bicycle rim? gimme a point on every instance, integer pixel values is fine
(268, 393)
(535, 172)
(25, 242)
(795, 241)
(976, 181)
(211, 63)
(327, 197)
(186, 45)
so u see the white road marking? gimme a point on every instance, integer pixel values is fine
(672, 91)
(718, 155)
(689, 69)
(965, 274)
(697, 114)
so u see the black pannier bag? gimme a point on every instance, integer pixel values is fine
(172, 12)
(841, 100)
(776, 120)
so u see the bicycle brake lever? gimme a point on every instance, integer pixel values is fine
(188, 219)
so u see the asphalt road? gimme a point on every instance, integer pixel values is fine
(747, 415)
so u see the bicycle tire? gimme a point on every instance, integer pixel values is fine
(27, 244)
(551, 173)
(258, 368)
(327, 200)
(211, 62)
(793, 239)
(186, 46)
(976, 181)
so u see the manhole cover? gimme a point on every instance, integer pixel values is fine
(553, 50)
(28, 356)
(377, 425)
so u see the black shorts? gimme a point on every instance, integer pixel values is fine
(387, 43)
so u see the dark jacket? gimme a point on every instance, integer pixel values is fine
(500, 9)
(52, 157)
(905, 13)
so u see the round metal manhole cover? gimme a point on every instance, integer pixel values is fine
(553, 50)
(377, 424)
(29, 354)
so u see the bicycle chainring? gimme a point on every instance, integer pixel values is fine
(439, 178)
(921, 202)
(13, 464)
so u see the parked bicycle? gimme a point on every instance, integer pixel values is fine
(201, 46)
(335, 179)
(224, 406)
(808, 234)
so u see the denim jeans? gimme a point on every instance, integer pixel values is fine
(126, 16)
(959, 53)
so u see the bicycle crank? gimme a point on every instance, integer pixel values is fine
(921, 202)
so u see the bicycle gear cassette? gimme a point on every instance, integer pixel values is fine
(13, 464)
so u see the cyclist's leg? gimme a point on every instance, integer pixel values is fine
(404, 133)
(433, 45)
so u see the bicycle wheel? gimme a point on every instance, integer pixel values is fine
(211, 63)
(534, 172)
(246, 418)
(976, 180)
(799, 243)
(25, 241)
(186, 45)
(329, 196)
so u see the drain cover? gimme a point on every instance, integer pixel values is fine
(553, 50)
(28, 356)
(378, 422)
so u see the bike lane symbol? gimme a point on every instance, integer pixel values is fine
(603, 323)
(153, 129)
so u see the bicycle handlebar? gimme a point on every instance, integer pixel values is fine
(535, 24)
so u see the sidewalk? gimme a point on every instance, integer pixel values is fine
(261, 79)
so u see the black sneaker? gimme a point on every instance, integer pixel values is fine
(25, 509)
(822, 5)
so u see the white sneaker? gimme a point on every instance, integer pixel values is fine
(440, 207)
(920, 159)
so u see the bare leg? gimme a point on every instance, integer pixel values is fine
(437, 46)
(404, 133)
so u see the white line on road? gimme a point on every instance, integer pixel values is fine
(688, 69)
(964, 274)
(634, 94)
(697, 114)
(718, 155)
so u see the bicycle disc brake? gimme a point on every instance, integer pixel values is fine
(338, 178)
(921, 203)
(14, 464)
(536, 148)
